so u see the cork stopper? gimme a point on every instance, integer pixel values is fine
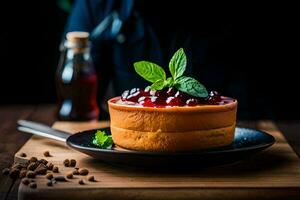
(81, 38)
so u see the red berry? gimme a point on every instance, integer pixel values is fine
(214, 98)
(174, 101)
(192, 102)
(171, 91)
(148, 102)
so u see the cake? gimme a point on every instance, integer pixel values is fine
(172, 118)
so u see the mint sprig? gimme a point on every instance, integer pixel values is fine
(177, 66)
(102, 140)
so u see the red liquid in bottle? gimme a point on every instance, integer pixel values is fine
(76, 83)
(78, 100)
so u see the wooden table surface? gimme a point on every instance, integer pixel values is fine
(11, 140)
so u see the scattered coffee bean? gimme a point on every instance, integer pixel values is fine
(31, 166)
(76, 168)
(47, 154)
(55, 169)
(25, 181)
(81, 182)
(14, 173)
(33, 159)
(30, 174)
(50, 166)
(32, 185)
(60, 179)
(5, 171)
(49, 183)
(17, 166)
(72, 163)
(69, 175)
(49, 176)
(43, 161)
(23, 173)
(75, 172)
(41, 169)
(66, 162)
(83, 171)
(23, 154)
(91, 178)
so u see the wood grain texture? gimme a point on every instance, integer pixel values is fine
(272, 174)
(11, 140)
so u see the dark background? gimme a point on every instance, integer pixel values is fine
(263, 46)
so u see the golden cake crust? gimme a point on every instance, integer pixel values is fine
(172, 129)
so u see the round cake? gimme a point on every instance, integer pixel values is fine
(171, 121)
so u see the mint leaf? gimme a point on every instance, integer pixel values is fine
(103, 140)
(158, 85)
(191, 86)
(150, 71)
(177, 64)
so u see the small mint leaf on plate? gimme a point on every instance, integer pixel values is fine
(102, 140)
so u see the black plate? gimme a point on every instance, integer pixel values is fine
(246, 142)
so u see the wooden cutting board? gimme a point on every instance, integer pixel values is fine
(272, 174)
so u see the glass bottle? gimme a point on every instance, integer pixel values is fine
(76, 80)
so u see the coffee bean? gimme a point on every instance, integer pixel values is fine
(83, 171)
(23, 154)
(72, 163)
(69, 175)
(43, 161)
(47, 154)
(66, 162)
(33, 159)
(75, 172)
(41, 169)
(32, 185)
(17, 166)
(50, 166)
(25, 181)
(49, 176)
(91, 178)
(55, 169)
(32, 166)
(30, 174)
(81, 182)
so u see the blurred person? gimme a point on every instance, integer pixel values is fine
(125, 31)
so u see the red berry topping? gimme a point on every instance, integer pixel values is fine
(192, 102)
(174, 101)
(170, 97)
